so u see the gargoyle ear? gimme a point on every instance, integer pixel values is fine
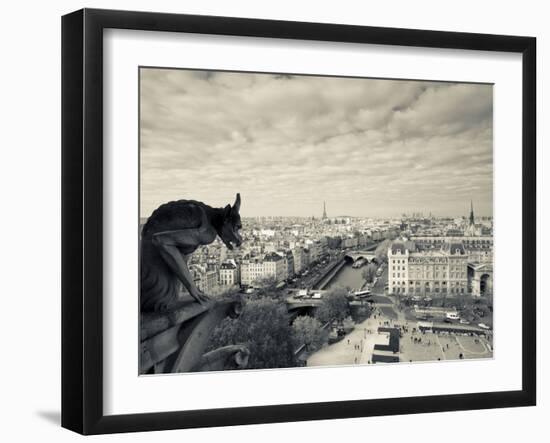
(237, 204)
(226, 211)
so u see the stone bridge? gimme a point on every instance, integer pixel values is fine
(353, 256)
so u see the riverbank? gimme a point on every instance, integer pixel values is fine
(347, 276)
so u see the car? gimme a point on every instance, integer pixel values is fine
(463, 321)
(483, 326)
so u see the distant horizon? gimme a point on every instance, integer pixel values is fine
(329, 217)
(289, 142)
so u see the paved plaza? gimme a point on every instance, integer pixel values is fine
(430, 347)
(357, 346)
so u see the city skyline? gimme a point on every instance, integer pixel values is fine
(368, 147)
(412, 214)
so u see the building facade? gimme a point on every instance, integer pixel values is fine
(254, 270)
(206, 279)
(433, 272)
(229, 274)
(300, 260)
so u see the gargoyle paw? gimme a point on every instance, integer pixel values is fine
(201, 298)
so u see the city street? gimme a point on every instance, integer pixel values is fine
(357, 347)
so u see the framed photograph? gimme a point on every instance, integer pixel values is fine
(269, 221)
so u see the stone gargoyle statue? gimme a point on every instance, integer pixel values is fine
(169, 237)
(175, 330)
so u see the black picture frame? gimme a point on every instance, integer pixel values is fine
(82, 218)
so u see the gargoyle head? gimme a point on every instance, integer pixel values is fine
(229, 231)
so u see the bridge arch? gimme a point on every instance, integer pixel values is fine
(349, 259)
(352, 257)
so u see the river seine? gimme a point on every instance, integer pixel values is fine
(347, 277)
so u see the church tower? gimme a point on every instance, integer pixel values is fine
(471, 230)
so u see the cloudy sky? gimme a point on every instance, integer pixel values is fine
(368, 147)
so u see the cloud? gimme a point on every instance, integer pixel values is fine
(366, 146)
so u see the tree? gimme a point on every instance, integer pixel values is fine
(460, 301)
(369, 272)
(361, 313)
(334, 306)
(266, 286)
(308, 331)
(381, 251)
(264, 327)
(267, 283)
(490, 300)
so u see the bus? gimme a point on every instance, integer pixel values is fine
(451, 317)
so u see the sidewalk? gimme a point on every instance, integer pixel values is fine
(356, 347)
